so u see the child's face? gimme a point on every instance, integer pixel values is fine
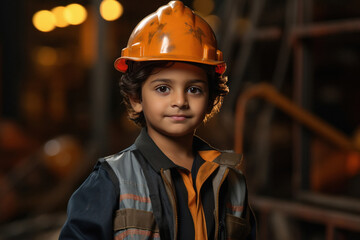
(174, 100)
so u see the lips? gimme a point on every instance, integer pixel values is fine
(178, 117)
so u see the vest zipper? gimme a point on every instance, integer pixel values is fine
(221, 230)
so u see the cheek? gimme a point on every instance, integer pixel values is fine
(202, 105)
(152, 107)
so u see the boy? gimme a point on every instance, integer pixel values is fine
(169, 184)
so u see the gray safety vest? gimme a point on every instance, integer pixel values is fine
(135, 219)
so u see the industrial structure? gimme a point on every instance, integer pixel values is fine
(293, 110)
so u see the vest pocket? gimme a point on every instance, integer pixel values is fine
(135, 219)
(236, 228)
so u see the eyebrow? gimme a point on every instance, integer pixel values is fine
(161, 80)
(166, 80)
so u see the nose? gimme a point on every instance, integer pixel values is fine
(179, 99)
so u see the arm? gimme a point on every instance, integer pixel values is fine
(91, 208)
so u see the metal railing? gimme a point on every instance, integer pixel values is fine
(270, 94)
(332, 219)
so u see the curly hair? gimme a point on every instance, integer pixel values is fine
(131, 82)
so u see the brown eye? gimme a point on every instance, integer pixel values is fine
(163, 89)
(194, 90)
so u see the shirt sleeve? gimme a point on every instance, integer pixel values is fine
(91, 208)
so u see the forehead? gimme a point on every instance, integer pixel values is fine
(180, 71)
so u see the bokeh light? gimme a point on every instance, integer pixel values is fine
(44, 21)
(59, 13)
(111, 10)
(75, 14)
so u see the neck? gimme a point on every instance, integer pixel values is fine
(177, 149)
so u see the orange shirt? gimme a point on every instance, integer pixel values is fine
(194, 199)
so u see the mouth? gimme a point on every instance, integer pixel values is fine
(178, 117)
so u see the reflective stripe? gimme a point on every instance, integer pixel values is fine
(133, 189)
(134, 197)
(237, 195)
(134, 219)
(135, 234)
(235, 208)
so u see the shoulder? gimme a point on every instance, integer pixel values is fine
(233, 162)
(99, 178)
(95, 188)
(230, 159)
(117, 160)
(118, 156)
(123, 166)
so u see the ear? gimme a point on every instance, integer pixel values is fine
(136, 104)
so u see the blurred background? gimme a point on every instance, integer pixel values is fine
(293, 107)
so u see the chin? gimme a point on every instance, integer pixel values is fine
(179, 132)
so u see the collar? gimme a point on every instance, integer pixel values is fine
(152, 153)
(157, 159)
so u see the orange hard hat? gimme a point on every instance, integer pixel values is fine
(174, 33)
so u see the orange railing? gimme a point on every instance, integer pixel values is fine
(332, 219)
(270, 94)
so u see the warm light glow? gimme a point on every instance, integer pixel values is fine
(44, 21)
(353, 163)
(214, 22)
(205, 7)
(75, 14)
(110, 10)
(59, 16)
(46, 56)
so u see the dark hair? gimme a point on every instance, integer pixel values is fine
(131, 82)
